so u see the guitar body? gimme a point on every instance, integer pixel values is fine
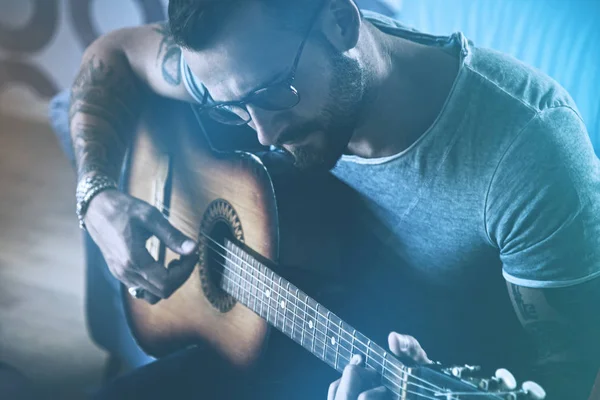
(221, 194)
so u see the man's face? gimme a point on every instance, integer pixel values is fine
(253, 51)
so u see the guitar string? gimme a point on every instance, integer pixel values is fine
(395, 386)
(397, 369)
(265, 276)
(294, 323)
(187, 222)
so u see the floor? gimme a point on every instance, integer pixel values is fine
(42, 322)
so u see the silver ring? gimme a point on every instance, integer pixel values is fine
(136, 292)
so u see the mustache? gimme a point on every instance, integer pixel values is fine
(298, 132)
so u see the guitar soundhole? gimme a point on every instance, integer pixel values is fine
(220, 222)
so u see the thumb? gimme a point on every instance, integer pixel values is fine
(159, 226)
(407, 346)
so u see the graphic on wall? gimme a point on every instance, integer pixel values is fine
(31, 54)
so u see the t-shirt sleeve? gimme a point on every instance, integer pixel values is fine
(194, 87)
(543, 205)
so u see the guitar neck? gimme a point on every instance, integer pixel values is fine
(303, 319)
(327, 336)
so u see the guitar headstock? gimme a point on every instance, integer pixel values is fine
(468, 384)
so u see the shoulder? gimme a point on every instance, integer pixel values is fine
(527, 86)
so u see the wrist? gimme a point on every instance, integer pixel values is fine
(87, 189)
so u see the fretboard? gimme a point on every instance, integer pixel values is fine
(304, 320)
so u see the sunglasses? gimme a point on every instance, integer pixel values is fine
(278, 96)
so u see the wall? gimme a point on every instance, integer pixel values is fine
(41, 42)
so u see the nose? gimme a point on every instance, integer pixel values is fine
(263, 123)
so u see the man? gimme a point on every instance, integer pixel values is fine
(478, 167)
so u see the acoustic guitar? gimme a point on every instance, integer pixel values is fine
(257, 225)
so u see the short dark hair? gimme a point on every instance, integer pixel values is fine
(193, 23)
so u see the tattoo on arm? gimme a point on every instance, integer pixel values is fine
(526, 310)
(111, 96)
(564, 327)
(97, 151)
(169, 55)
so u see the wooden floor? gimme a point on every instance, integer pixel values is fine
(42, 323)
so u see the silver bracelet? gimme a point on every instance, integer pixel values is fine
(87, 189)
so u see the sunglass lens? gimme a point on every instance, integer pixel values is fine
(276, 97)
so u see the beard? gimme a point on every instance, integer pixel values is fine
(336, 121)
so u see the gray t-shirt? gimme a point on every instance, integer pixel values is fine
(505, 179)
(505, 183)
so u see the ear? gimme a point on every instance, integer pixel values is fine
(341, 24)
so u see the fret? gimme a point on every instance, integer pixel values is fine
(258, 297)
(248, 284)
(281, 304)
(237, 273)
(267, 298)
(273, 299)
(329, 341)
(312, 323)
(288, 308)
(345, 344)
(276, 296)
(225, 277)
(353, 339)
(291, 308)
(337, 349)
(252, 285)
(303, 319)
(368, 352)
(360, 344)
(231, 271)
(318, 330)
(242, 279)
(296, 328)
(305, 324)
(262, 288)
(383, 365)
(395, 377)
(375, 358)
(332, 341)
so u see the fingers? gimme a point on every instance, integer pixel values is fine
(355, 380)
(333, 389)
(179, 270)
(379, 393)
(165, 281)
(133, 280)
(407, 346)
(156, 223)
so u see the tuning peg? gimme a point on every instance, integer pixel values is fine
(464, 371)
(533, 391)
(505, 379)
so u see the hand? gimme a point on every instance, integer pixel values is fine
(360, 383)
(120, 225)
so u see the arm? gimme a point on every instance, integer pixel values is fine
(106, 99)
(564, 326)
(108, 93)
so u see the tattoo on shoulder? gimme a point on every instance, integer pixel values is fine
(99, 91)
(169, 55)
